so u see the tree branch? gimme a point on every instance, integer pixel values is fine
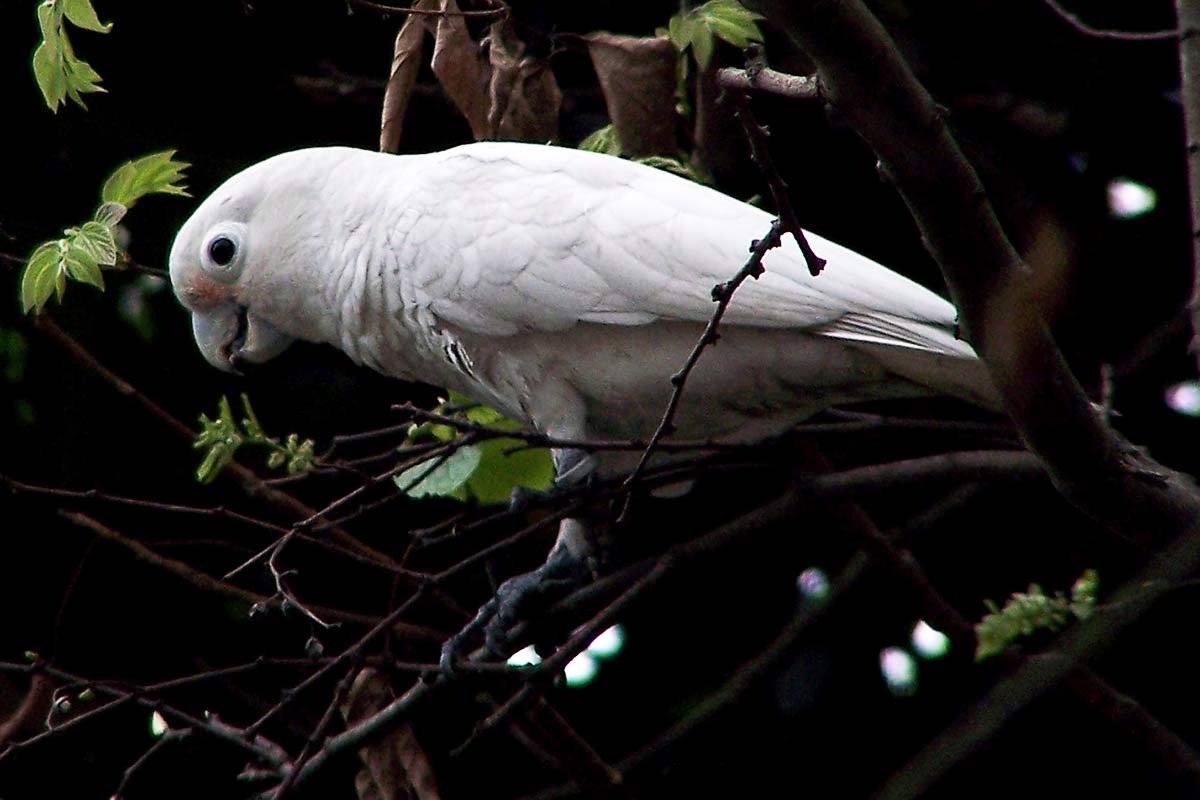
(863, 74)
(1188, 12)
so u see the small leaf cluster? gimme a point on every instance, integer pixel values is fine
(604, 140)
(83, 252)
(59, 72)
(1028, 612)
(700, 27)
(485, 471)
(221, 438)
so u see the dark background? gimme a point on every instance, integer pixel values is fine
(1049, 116)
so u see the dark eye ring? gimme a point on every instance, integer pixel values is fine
(222, 250)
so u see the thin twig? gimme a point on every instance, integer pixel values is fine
(1078, 24)
(722, 295)
(207, 583)
(760, 152)
(499, 12)
(250, 483)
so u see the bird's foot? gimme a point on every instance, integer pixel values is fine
(573, 468)
(515, 602)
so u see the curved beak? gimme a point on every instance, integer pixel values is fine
(229, 336)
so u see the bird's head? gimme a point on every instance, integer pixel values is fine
(248, 263)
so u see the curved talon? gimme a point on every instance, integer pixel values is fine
(454, 645)
(516, 597)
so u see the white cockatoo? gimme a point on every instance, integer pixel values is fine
(561, 287)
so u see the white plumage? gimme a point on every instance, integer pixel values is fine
(561, 286)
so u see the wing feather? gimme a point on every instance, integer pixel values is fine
(564, 237)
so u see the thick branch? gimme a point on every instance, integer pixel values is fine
(863, 74)
(1189, 68)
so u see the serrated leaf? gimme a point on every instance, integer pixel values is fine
(730, 22)
(96, 239)
(37, 282)
(602, 140)
(81, 14)
(81, 78)
(501, 471)
(81, 265)
(110, 213)
(59, 73)
(154, 173)
(440, 477)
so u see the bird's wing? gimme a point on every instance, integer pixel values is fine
(528, 237)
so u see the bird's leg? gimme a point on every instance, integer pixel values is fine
(569, 564)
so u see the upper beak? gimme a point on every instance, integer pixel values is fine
(229, 336)
(216, 330)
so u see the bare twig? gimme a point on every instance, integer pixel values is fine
(1078, 24)
(209, 584)
(250, 483)
(760, 151)
(169, 736)
(500, 12)
(258, 746)
(722, 295)
(795, 87)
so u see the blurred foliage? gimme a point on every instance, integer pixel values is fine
(1028, 612)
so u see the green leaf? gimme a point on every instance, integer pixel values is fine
(730, 22)
(37, 282)
(680, 30)
(50, 26)
(220, 439)
(96, 239)
(250, 423)
(215, 460)
(48, 73)
(110, 213)
(702, 46)
(81, 13)
(150, 174)
(500, 471)
(80, 78)
(602, 140)
(81, 266)
(440, 476)
(59, 73)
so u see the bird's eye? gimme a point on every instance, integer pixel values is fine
(222, 250)
(223, 253)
